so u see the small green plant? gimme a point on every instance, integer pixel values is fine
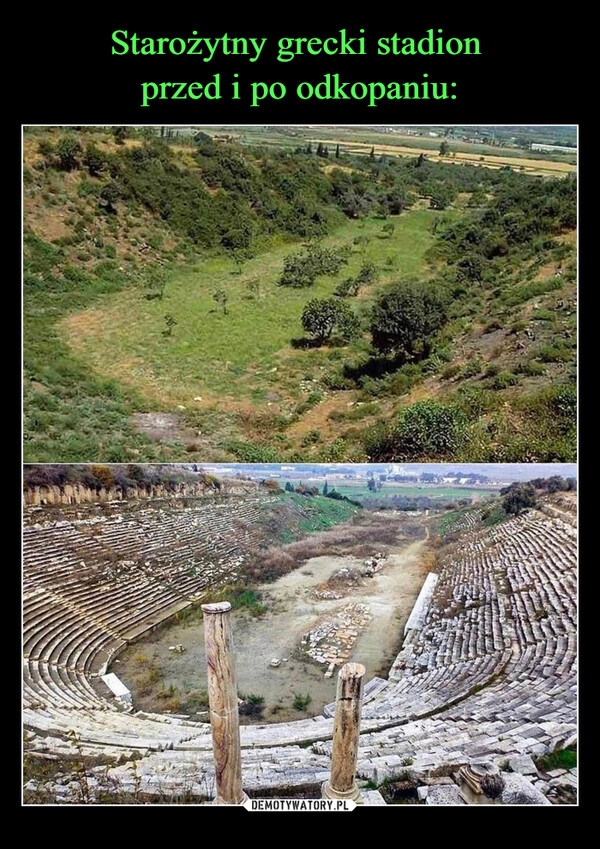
(470, 369)
(250, 600)
(532, 368)
(311, 437)
(220, 297)
(562, 759)
(252, 705)
(504, 380)
(301, 702)
(170, 322)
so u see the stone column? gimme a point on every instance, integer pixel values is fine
(223, 704)
(346, 729)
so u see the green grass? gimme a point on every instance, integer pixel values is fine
(321, 512)
(211, 353)
(95, 350)
(98, 349)
(249, 600)
(563, 759)
(428, 490)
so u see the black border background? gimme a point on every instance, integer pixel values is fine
(64, 73)
(525, 74)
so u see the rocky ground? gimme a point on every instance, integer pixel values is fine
(327, 612)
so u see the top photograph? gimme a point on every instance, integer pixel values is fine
(300, 293)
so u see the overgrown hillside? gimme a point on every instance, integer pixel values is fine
(229, 302)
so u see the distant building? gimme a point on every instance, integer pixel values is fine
(553, 148)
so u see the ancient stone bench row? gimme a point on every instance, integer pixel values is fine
(532, 704)
(423, 693)
(436, 644)
(66, 631)
(116, 610)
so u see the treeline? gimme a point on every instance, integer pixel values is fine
(556, 483)
(518, 497)
(96, 477)
(224, 195)
(311, 491)
(522, 218)
(413, 503)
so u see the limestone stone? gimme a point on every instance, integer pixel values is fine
(519, 791)
(523, 764)
(444, 794)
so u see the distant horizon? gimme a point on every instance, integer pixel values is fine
(498, 471)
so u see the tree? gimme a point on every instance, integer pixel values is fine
(519, 498)
(347, 322)
(405, 319)
(109, 196)
(319, 318)
(68, 151)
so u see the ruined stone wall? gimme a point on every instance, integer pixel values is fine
(77, 494)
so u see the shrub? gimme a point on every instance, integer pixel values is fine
(504, 379)
(427, 430)
(450, 371)
(557, 353)
(405, 319)
(104, 476)
(252, 705)
(470, 369)
(68, 151)
(301, 702)
(531, 368)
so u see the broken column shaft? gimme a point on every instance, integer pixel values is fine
(346, 730)
(223, 704)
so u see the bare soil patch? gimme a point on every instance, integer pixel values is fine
(293, 610)
(166, 427)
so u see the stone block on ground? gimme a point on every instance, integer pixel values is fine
(519, 791)
(444, 794)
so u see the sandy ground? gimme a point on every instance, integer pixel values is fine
(292, 611)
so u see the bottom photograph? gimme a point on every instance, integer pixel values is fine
(299, 636)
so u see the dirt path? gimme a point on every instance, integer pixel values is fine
(293, 610)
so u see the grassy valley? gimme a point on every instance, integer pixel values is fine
(200, 298)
